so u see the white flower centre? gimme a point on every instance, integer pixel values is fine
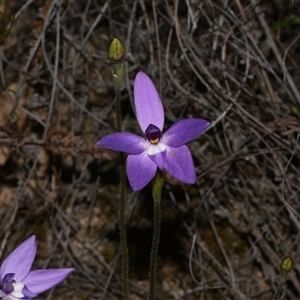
(156, 148)
(17, 292)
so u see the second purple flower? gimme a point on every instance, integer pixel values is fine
(17, 279)
(156, 149)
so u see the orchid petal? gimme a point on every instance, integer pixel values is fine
(124, 142)
(39, 281)
(140, 170)
(179, 163)
(184, 131)
(28, 294)
(148, 106)
(19, 261)
(159, 159)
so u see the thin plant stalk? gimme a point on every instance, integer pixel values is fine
(122, 203)
(157, 184)
(116, 52)
(118, 74)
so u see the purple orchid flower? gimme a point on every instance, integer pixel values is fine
(165, 151)
(18, 282)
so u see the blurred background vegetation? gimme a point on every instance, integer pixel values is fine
(235, 63)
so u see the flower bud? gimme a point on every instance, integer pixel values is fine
(286, 264)
(116, 50)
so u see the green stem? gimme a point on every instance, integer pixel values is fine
(157, 185)
(118, 73)
(283, 276)
(122, 227)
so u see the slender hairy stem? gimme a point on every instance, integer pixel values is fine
(118, 74)
(279, 289)
(157, 185)
(122, 227)
(116, 52)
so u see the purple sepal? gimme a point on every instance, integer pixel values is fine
(179, 163)
(124, 142)
(28, 294)
(140, 170)
(184, 131)
(19, 261)
(159, 159)
(39, 281)
(148, 106)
